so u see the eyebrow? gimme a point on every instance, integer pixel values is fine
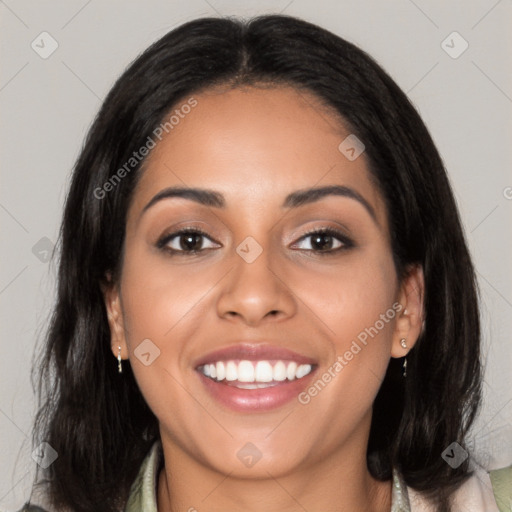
(296, 199)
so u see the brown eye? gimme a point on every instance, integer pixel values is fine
(190, 241)
(326, 241)
(185, 241)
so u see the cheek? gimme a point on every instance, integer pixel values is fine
(163, 306)
(351, 296)
(355, 301)
(368, 292)
(159, 297)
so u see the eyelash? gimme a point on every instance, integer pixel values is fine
(347, 243)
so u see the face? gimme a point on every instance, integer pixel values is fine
(294, 304)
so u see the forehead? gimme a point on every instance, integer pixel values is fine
(255, 146)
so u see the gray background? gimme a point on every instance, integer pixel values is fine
(48, 104)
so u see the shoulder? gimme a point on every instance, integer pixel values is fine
(501, 481)
(483, 490)
(142, 494)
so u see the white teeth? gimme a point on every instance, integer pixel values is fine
(231, 371)
(259, 372)
(255, 385)
(279, 371)
(302, 370)
(263, 371)
(221, 370)
(245, 371)
(290, 370)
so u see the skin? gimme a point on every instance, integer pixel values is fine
(255, 146)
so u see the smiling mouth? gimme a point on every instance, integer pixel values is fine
(254, 377)
(245, 374)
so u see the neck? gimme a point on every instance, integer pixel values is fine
(331, 485)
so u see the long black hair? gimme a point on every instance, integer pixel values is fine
(96, 420)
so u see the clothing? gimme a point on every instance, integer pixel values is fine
(482, 492)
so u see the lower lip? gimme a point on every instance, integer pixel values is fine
(256, 400)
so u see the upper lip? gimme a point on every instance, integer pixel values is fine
(253, 352)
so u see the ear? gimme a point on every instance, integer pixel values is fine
(111, 296)
(410, 320)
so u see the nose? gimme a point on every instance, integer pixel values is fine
(256, 292)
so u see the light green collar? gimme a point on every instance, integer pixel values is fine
(143, 492)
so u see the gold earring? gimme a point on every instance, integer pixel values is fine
(119, 365)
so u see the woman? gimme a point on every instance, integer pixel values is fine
(265, 298)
